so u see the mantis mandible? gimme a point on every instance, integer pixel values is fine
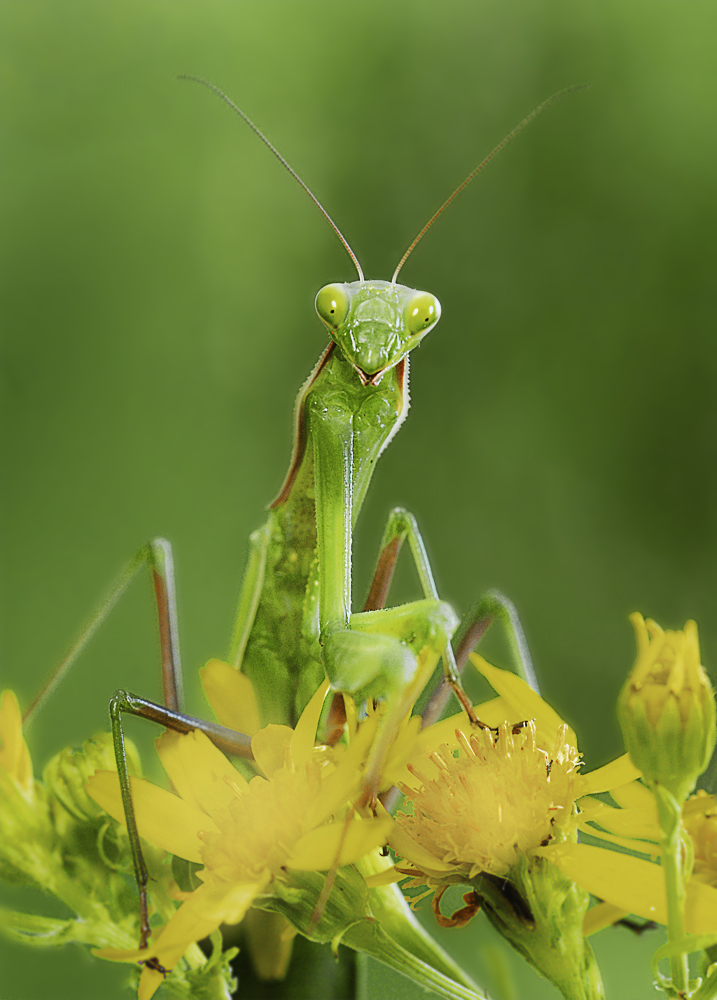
(294, 622)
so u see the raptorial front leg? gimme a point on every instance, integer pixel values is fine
(388, 654)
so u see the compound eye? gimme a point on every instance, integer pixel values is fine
(421, 312)
(332, 305)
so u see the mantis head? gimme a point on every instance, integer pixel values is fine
(376, 323)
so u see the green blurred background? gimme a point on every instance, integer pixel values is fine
(159, 272)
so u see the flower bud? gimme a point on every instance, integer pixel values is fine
(68, 771)
(667, 708)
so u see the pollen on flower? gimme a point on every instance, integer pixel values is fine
(493, 800)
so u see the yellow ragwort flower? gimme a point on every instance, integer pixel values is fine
(486, 801)
(626, 883)
(295, 815)
(494, 801)
(484, 805)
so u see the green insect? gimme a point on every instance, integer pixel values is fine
(294, 623)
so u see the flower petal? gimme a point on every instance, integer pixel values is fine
(304, 738)
(406, 847)
(204, 910)
(526, 703)
(231, 695)
(162, 818)
(14, 754)
(341, 786)
(387, 877)
(618, 772)
(639, 823)
(632, 884)
(149, 982)
(602, 915)
(201, 774)
(270, 746)
(338, 844)
(207, 908)
(634, 795)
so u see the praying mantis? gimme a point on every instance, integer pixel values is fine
(294, 622)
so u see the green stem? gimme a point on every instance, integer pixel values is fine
(670, 816)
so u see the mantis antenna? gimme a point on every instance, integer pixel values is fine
(511, 135)
(280, 158)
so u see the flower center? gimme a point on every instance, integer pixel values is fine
(493, 800)
(259, 828)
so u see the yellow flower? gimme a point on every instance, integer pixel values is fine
(485, 805)
(485, 800)
(626, 883)
(297, 816)
(667, 709)
(493, 802)
(26, 833)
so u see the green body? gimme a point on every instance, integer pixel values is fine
(295, 605)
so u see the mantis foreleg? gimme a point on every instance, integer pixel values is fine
(373, 653)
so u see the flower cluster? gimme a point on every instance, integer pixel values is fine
(503, 810)
(54, 837)
(245, 833)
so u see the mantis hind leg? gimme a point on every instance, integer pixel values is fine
(157, 555)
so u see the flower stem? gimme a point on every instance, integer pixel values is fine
(670, 816)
